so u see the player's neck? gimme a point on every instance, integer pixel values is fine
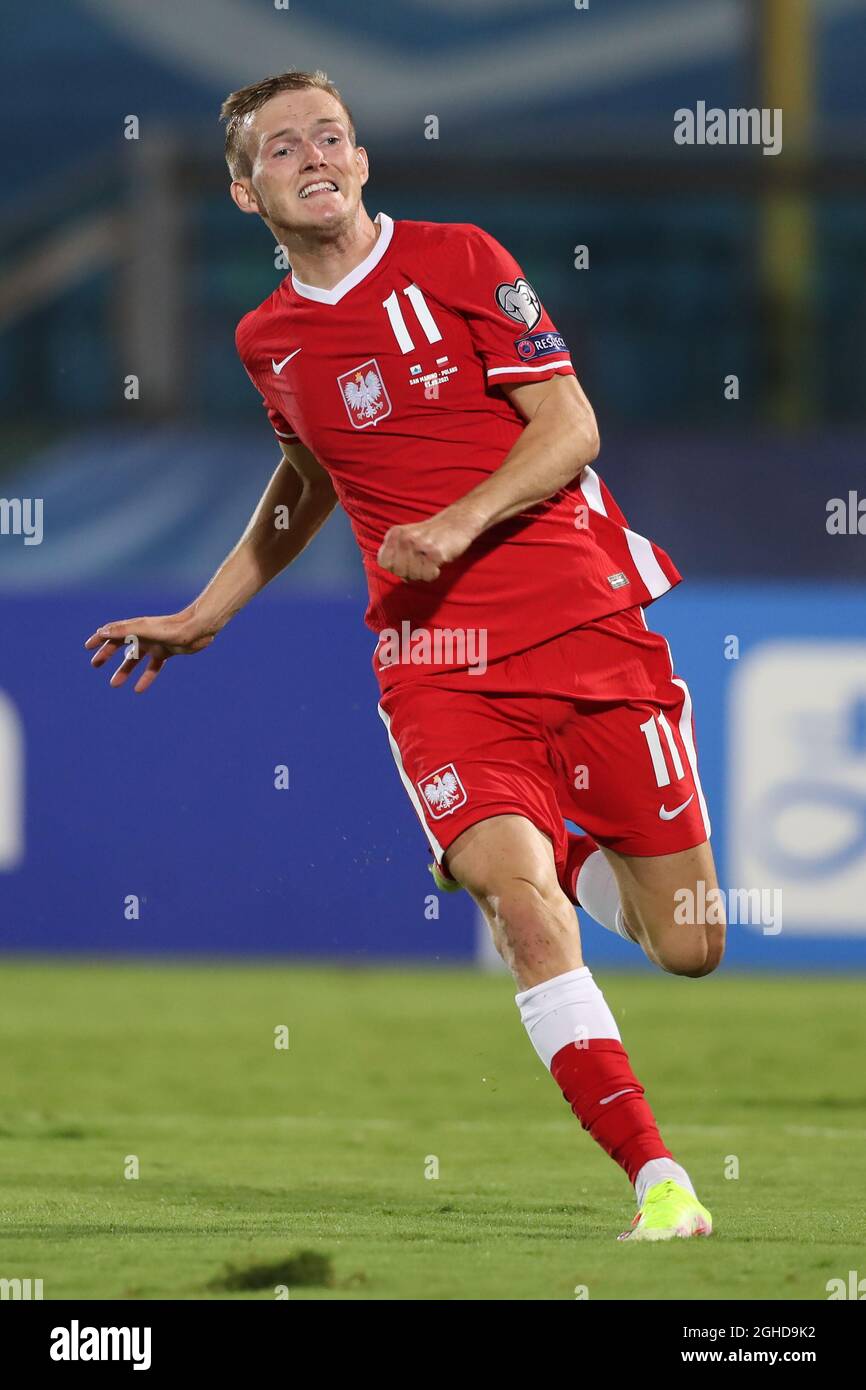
(325, 262)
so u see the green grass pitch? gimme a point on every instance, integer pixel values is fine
(249, 1155)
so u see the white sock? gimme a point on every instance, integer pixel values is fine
(598, 893)
(563, 1010)
(658, 1170)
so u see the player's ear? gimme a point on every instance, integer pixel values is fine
(243, 196)
(363, 163)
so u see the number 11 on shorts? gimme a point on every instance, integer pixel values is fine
(650, 731)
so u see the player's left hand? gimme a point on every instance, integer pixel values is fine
(419, 550)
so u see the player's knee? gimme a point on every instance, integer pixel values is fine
(691, 951)
(523, 912)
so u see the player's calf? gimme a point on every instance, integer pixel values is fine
(659, 895)
(680, 949)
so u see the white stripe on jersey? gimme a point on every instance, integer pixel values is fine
(590, 486)
(545, 366)
(639, 547)
(646, 564)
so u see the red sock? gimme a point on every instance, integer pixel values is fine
(590, 1077)
(580, 847)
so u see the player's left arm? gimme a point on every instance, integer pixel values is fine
(560, 439)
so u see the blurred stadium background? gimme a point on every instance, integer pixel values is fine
(123, 257)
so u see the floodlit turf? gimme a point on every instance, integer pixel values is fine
(262, 1166)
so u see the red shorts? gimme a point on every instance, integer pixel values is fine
(591, 727)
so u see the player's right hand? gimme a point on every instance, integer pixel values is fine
(175, 634)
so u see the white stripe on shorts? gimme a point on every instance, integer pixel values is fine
(685, 727)
(411, 790)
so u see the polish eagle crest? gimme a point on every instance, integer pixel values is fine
(364, 394)
(443, 791)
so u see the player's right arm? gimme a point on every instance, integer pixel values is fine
(300, 490)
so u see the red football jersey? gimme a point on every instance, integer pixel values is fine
(392, 380)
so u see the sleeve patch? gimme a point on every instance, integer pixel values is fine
(534, 345)
(519, 301)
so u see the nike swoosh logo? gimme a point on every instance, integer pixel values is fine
(669, 815)
(607, 1100)
(278, 366)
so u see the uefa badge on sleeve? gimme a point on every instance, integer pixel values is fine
(520, 302)
(364, 395)
(533, 345)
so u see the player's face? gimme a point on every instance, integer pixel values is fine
(306, 175)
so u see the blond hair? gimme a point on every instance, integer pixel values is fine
(242, 103)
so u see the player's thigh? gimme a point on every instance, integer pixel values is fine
(625, 749)
(673, 902)
(466, 757)
(491, 855)
(628, 775)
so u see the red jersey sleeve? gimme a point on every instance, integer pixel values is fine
(281, 426)
(515, 338)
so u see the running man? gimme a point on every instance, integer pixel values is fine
(411, 374)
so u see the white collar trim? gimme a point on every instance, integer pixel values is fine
(355, 276)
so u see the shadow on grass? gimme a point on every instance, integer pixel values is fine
(306, 1269)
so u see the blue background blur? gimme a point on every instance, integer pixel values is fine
(126, 256)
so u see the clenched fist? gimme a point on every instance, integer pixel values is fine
(419, 550)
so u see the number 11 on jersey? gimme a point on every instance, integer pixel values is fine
(395, 314)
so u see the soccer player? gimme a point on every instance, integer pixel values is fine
(411, 373)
